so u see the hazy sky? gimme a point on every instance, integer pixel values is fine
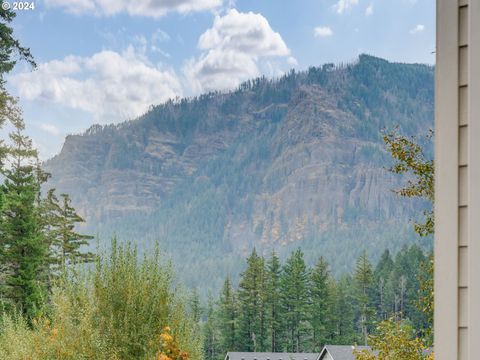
(103, 61)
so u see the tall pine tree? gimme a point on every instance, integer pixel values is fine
(363, 280)
(24, 247)
(228, 317)
(211, 346)
(251, 296)
(343, 312)
(321, 305)
(195, 307)
(65, 241)
(273, 305)
(295, 302)
(382, 275)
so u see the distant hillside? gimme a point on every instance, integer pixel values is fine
(297, 161)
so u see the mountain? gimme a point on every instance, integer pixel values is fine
(293, 162)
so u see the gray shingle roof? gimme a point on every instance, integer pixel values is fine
(342, 352)
(271, 356)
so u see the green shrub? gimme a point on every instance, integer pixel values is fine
(118, 310)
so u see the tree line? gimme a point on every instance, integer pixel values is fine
(296, 308)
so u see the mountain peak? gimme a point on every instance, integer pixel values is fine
(273, 164)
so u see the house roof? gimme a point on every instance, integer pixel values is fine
(271, 356)
(341, 352)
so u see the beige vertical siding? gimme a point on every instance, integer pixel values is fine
(474, 180)
(447, 341)
(457, 198)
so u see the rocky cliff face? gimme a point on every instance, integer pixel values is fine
(276, 164)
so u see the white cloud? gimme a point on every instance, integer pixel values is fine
(292, 61)
(233, 46)
(417, 29)
(219, 69)
(112, 86)
(322, 31)
(151, 8)
(369, 10)
(343, 5)
(49, 128)
(244, 32)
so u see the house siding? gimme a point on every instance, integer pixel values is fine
(457, 175)
(474, 174)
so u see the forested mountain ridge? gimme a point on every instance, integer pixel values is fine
(297, 161)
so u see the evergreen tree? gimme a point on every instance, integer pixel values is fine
(19, 286)
(305, 309)
(210, 334)
(363, 280)
(251, 295)
(10, 52)
(343, 313)
(66, 243)
(195, 307)
(295, 301)
(9, 113)
(228, 317)
(274, 308)
(321, 306)
(382, 274)
(24, 248)
(406, 285)
(10, 47)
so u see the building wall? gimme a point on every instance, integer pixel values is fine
(457, 181)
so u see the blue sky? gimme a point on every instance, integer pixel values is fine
(103, 61)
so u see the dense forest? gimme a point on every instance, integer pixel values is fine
(279, 164)
(294, 308)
